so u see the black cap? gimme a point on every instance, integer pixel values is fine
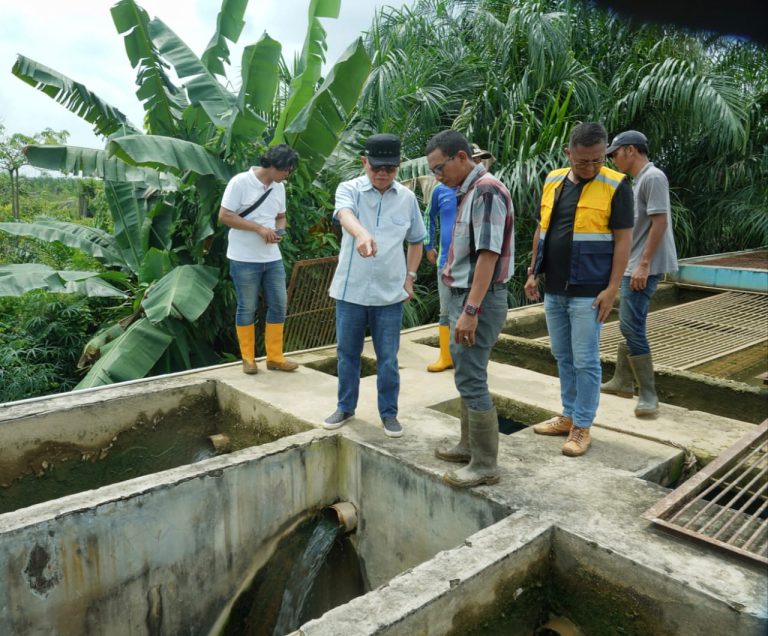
(383, 150)
(627, 138)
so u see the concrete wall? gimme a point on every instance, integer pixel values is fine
(86, 421)
(405, 515)
(161, 554)
(167, 553)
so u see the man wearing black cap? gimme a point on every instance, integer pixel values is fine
(374, 277)
(653, 253)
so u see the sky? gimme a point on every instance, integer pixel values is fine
(78, 39)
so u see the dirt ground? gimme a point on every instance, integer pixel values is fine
(751, 260)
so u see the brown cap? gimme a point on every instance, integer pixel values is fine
(479, 153)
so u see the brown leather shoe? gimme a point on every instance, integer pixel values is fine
(281, 365)
(250, 367)
(578, 442)
(558, 425)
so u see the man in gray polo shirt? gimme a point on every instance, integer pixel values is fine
(374, 277)
(653, 253)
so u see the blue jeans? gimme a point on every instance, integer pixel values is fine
(249, 278)
(384, 323)
(444, 294)
(471, 363)
(574, 333)
(633, 312)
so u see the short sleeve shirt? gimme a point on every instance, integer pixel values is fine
(392, 217)
(242, 191)
(651, 190)
(484, 221)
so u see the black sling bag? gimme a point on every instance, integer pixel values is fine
(260, 200)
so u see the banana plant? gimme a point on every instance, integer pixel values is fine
(163, 183)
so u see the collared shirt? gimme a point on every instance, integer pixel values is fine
(484, 221)
(242, 191)
(391, 217)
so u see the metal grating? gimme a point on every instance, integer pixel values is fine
(726, 503)
(311, 316)
(693, 333)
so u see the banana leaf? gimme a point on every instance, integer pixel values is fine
(16, 280)
(94, 242)
(185, 292)
(129, 218)
(163, 153)
(203, 88)
(106, 119)
(163, 102)
(129, 356)
(310, 65)
(229, 26)
(314, 133)
(90, 162)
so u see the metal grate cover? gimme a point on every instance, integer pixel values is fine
(726, 503)
(690, 334)
(311, 316)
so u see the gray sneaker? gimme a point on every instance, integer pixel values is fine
(337, 418)
(392, 427)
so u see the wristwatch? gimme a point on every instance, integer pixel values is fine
(471, 309)
(413, 276)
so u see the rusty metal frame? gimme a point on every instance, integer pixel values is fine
(741, 475)
(311, 314)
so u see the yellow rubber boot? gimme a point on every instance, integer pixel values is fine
(273, 341)
(444, 361)
(246, 337)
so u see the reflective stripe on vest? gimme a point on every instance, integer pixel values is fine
(592, 238)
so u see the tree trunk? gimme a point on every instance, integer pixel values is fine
(15, 194)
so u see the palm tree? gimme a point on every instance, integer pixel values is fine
(516, 75)
(163, 185)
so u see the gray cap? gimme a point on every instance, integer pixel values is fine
(627, 138)
(383, 150)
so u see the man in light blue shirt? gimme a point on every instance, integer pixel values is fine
(374, 277)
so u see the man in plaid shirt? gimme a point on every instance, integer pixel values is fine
(479, 264)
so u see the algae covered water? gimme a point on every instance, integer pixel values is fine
(176, 438)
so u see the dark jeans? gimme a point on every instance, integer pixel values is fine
(384, 323)
(633, 313)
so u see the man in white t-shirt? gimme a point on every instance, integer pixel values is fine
(255, 262)
(653, 253)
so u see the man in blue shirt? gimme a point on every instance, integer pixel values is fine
(374, 277)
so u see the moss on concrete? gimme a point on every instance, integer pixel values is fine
(519, 605)
(603, 608)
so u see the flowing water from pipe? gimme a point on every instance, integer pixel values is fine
(314, 568)
(303, 576)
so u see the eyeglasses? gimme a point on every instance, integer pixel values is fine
(438, 169)
(588, 163)
(387, 169)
